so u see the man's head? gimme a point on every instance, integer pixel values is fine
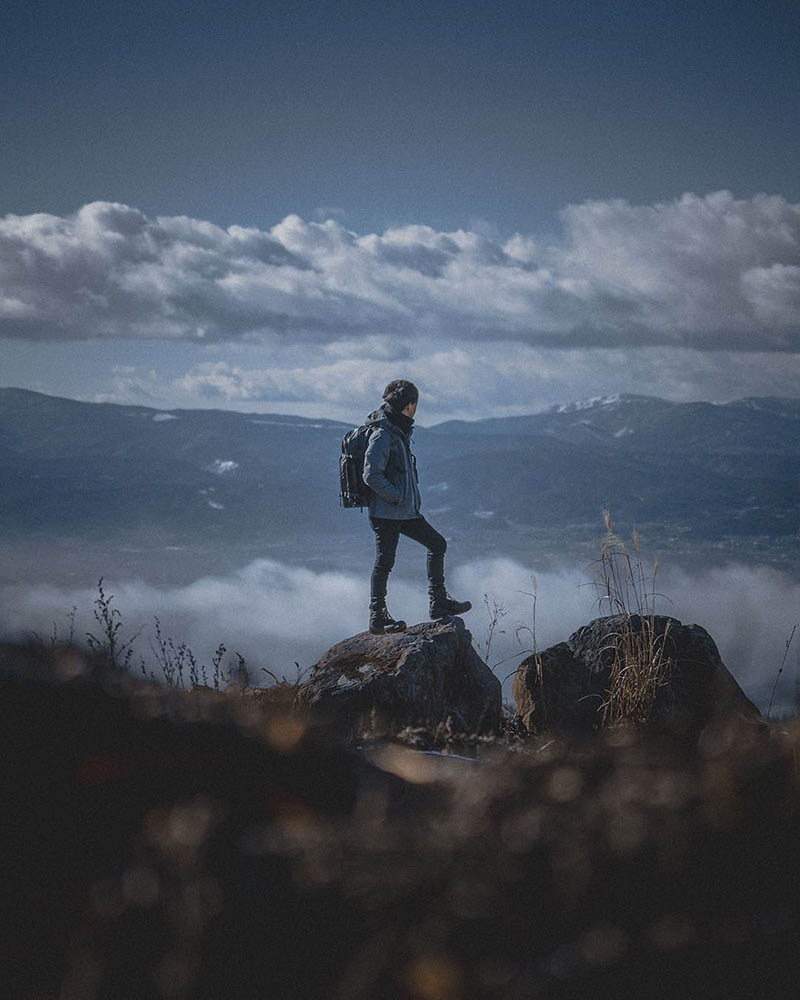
(402, 396)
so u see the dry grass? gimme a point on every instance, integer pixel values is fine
(641, 662)
(640, 668)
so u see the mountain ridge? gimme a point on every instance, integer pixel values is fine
(694, 477)
(786, 406)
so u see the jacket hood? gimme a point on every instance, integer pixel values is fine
(381, 418)
(376, 417)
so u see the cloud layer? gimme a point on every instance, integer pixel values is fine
(472, 381)
(275, 614)
(706, 272)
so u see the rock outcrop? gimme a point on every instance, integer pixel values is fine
(428, 676)
(676, 670)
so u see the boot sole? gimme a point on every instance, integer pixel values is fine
(447, 614)
(386, 631)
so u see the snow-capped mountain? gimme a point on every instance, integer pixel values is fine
(698, 474)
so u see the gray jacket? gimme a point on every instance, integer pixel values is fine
(390, 470)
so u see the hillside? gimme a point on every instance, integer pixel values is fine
(696, 477)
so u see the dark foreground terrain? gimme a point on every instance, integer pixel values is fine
(197, 845)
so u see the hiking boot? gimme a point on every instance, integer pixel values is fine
(444, 606)
(382, 623)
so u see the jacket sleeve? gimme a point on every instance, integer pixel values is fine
(375, 459)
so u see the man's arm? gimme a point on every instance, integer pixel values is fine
(375, 459)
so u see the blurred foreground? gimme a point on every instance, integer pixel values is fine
(174, 844)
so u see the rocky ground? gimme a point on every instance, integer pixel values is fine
(200, 845)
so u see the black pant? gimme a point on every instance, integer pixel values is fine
(387, 533)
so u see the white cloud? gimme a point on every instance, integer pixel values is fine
(272, 613)
(127, 384)
(276, 614)
(710, 272)
(458, 380)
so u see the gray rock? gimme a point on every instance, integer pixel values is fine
(429, 675)
(568, 687)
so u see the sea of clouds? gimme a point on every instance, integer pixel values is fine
(278, 615)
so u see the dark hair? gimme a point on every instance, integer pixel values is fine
(400, 393)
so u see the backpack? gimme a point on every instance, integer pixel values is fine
(353, 491)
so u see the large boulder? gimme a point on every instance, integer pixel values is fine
(428, 676)
(651, 670)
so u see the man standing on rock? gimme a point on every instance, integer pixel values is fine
(390, 471)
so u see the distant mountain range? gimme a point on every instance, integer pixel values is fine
(693, 476)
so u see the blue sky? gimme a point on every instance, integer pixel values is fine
(560, 140)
